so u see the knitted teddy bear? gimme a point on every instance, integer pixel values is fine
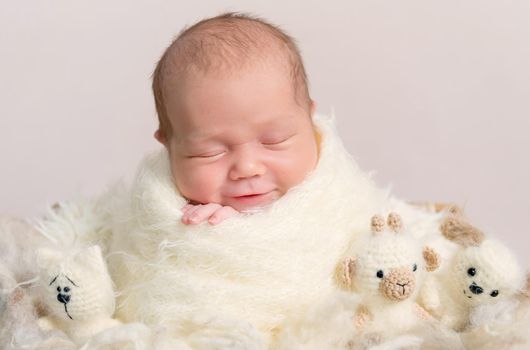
(77, 291)
(482, 271)
(385, 272)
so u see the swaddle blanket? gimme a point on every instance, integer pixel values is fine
(256, 267)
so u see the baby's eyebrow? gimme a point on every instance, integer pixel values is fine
(283, 121)
(199, 140)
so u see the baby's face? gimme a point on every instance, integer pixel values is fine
(239, 140)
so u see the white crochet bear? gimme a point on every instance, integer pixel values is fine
(483, 271)
(385, 272)
(77, 292)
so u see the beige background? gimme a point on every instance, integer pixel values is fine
(434, 95)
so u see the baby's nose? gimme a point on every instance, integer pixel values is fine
(245, 166)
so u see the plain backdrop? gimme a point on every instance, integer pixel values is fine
(434, 96)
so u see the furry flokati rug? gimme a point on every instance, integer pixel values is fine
(262, 280)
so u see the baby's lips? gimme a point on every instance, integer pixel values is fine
(248, 193)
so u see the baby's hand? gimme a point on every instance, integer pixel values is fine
(213, 212)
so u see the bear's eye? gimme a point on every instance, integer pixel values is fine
(494, 293)
(66, 289)
(415, 267)
(380, 274)
(471, 271)
(59, 289)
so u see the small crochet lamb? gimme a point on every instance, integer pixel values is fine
(385, 272)
(482, 271)
(77, 291)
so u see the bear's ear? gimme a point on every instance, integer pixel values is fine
(91, 257)
(346, 272)
(456, 229)
(47, 258)
(432, 259)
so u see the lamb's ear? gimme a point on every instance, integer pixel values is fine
(432, 259)
(394, 222)
(377, 224)
(346, 271)
(461, 232)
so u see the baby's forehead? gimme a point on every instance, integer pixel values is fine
(221, 46)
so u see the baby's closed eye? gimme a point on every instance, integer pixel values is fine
(276, 141)
(212, 154)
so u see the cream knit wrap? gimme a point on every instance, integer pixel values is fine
(256, 267)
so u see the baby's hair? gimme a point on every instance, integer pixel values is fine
(225, 42)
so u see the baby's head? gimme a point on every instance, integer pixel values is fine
(234, 112)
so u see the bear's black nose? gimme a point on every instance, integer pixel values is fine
(63, 298)
(475, 289)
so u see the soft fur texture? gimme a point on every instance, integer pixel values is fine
(17, 257)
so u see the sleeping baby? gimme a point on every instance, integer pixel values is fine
(235, 116)
(239, 220)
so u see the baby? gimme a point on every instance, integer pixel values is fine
(235, 116)
(240, 135)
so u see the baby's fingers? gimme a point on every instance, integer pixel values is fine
(187, 207)
(221, 215)
(199, 213)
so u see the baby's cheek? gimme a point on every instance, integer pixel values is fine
(297, 165)
(199, 183)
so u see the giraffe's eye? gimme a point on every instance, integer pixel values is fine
(380, 274)
(494, 293)
(471, 271)
(415, 267)
(59, 289)
(66, 289)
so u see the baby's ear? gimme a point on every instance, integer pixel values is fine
(161, 137)
(432, 259)
(346, 272)
(312, 107)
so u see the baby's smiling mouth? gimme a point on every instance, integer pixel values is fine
(250, 195)
(249, 200)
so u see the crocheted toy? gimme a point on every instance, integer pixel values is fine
(483, 271)
(385, 272)
(77, 292)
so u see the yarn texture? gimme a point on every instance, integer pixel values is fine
(77, 291)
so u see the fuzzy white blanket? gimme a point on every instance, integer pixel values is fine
(257, 267)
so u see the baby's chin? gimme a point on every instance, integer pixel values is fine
(252, 203)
